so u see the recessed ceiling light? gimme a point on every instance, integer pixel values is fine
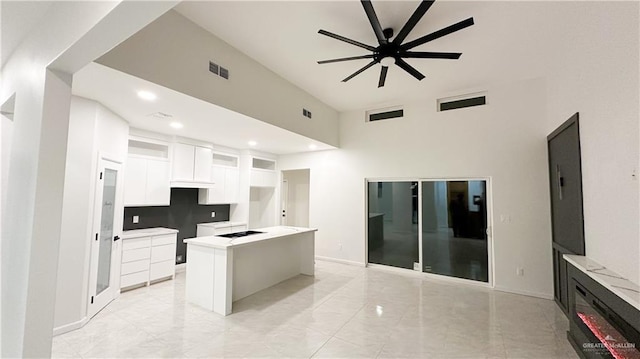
(313, 146)
(253, 143)
(176, 125)
(146, 95)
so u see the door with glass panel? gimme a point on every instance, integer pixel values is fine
(392, 230)
(107, 227)
(454, 229)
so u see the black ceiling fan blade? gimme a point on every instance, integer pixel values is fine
(346, 59)
(348, 41)
(383, 76)
(430, 55)
(438, 34)
(359, 71)
(413, 21)
(373, 19)
(410, 69)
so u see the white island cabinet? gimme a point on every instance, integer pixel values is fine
(222, 270)
(147, 255)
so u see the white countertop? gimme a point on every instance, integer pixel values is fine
(147, 232)
(222, 224)
(270, 233)
(622, 287)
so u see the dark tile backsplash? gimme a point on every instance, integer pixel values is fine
(183, 214)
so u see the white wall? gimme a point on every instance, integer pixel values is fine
(93, 129)
(504, 141)
(592, 68)
(595, 73)
(70, 35)
(179, 59)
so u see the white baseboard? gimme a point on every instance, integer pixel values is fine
(396, 270)
(524, 292)
(182, 267)
(342, 261)
(69, 327)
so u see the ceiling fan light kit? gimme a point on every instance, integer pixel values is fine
(390, 52)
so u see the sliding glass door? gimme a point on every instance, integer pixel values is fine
(393, 224)
(435, 226)
(454, 229)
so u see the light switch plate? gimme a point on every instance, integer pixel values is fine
(213, 214)
(136, 219)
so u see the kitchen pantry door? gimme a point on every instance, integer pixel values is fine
(107, 228)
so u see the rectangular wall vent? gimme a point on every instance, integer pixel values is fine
(218, 70)
(213, 68)
(384, 114)
(306, 113)
(452, 103)
(224, 73)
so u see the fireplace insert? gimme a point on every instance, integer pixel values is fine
(597, 331)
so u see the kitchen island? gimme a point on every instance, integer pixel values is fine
(221, 270)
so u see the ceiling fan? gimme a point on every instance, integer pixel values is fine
(390, 52)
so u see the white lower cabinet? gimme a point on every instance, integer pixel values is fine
(147, 258)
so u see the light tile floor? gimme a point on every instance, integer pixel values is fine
(342, 312)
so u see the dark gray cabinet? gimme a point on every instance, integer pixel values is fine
(565, 183)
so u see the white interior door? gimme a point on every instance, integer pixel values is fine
(105, 244)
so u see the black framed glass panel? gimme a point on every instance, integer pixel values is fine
(454, 229)
(393, 223)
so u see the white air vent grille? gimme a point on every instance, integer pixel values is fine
(160, 115)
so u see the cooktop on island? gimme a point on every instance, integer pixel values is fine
(239, 234)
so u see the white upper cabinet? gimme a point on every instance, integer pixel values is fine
(202, 170)
(183, 162)
(158, 190)
(147, 173)
(135, 181)
(225, 175)
(191, 163)
(263, 173)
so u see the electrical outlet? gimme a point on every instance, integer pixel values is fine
(340, 246)
(416, 266)
(136, 219)
(520, 271)
(213, 214)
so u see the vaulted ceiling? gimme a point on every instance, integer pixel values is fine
(507, 42)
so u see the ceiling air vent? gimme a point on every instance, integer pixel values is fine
(385, 114)
(306, 113)
(160, 115)
(218, 70)
(452, 103)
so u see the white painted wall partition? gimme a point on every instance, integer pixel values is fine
(179, 60)
(93, 129)
(81, 31)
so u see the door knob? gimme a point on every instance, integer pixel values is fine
(116, 238)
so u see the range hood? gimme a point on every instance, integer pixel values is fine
(192, 184)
